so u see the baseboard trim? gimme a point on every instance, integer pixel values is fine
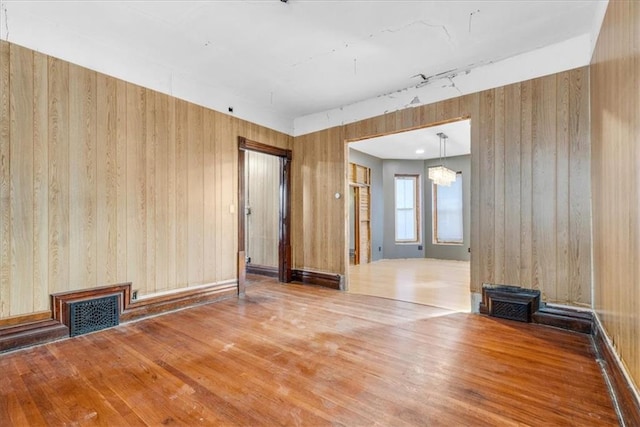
(327, 280)
(24, 331)
(262, 270)
(564, 318)
(190, 297)
(623, 392)
(31, 333)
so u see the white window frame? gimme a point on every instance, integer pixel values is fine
(436, 238)
(416, 238)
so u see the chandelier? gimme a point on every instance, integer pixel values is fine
(442, 175)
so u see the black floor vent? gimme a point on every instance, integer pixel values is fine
(93, 315)
(510, 302)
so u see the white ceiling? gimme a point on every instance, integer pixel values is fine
(274, 61)
(405, 144)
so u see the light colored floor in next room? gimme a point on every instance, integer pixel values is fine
(435, 282)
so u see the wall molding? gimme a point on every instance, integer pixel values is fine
(262, 270)
(23, 331)
(327, 280)
(623, 392)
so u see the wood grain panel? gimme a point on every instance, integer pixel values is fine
(615, 161)
(58, 175)
(499, 125)
(40, 183)
(136, 186)
(96, 188)
(5, 182)
(151, 191)
(182, 207)
(195, 152)
(512, 206)
(82, 178)
(160, 236)
(263, 198)
(521, 188)
(21, 176)
(106, 180)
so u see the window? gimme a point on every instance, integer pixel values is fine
(407, 208)
(447, 213)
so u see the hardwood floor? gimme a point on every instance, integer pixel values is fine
(303, 355)
(436, 282)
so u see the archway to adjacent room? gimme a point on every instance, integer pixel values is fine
(264, 243)
(420, 232)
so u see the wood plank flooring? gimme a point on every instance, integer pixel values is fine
(441, 283)
(307, 356)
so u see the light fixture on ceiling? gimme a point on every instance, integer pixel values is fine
(442, 175)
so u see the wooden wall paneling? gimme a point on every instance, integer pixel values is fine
(121, 182)
(512, 138)
(182, 211)
(544, 186)
(136, 188)
(150, 189)
(171, 230)
(195, 194)
(58, 247)
(210, 206)
(561, 279)
(82, 177)
(40, 183)
(161, 236)
(470, 107)
(615, 69)
(487, 186)
(499, 185)
(5, 181)
(106, 180)
(526, 187)
(229, 192)
(219, 135)
(21, 175)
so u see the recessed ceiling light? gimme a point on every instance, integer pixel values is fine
(419, 151)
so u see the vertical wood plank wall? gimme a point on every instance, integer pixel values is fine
(615, 134)
(530, 172)
(263, 197)
(102, 181)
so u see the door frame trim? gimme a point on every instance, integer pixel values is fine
(284, 216)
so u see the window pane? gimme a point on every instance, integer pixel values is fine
(448, 203)
(406, 208)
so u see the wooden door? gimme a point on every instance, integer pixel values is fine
(359, 179)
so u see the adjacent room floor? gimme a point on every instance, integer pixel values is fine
(440, 283)
(308, 356)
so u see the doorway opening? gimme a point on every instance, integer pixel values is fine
(264, 211)
(420, 239)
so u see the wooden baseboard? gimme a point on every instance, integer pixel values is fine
(565, 318)
(623, 393)
(24, 331)
(189, 297)
(262, 270)
(31, 333)
(333, 281)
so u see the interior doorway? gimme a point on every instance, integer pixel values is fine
(359, 214)
(264, 209)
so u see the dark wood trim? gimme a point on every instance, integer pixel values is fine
(31, 333)
(247, 144)
(60, 301)
(186, 298)
(565, 318)
(327, 280)
(284, 235)
(262, 270)
(25, 318)
(242, 272)
(625, 400)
